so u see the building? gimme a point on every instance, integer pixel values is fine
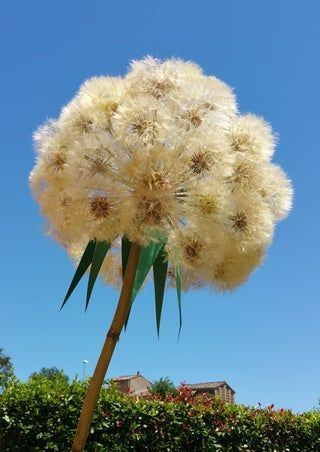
(138, 385)
(133, 384)
(216, 388)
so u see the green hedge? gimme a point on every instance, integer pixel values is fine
(41, 415)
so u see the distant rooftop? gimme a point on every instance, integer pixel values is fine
(208, 385)
(128, 377)
(124, 377)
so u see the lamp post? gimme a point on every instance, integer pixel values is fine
(84, 369)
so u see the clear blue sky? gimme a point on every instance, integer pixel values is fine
(263, 339)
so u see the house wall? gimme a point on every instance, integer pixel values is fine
(139, 384)
(225, 394)
(223, 391)
(123, 385)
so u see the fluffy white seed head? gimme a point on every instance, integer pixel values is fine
(162, 152)
(277, 191)
(252, 138)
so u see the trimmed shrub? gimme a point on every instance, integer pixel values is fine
(41, 415)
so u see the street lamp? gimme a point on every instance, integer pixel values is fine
(84, 369)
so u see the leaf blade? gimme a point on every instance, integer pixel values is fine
(160, 268)
(83, 266)
(99, 253)
(125, 250)
(177, 272)
(148, 255)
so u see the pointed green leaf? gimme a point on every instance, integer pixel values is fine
(160, 268)
(83, 266)
(148, 255)
(178, 286)
(125, 249)
(100, 251)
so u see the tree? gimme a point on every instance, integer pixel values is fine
(50, 373)
(163, 387)
(6, 369)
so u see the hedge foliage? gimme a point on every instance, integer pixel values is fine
(41, 415)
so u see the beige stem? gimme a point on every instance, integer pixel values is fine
(97, 379)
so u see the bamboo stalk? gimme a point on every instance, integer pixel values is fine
(112, 338)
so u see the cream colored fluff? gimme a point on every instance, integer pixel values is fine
(163, 152)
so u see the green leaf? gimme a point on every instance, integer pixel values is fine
(125, 249)
(178, 286)
(100, 251)
(148, 255)
(83, 266)
(160, 268)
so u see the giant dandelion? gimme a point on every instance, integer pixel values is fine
(157, 169)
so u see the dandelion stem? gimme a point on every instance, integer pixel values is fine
(97, 379)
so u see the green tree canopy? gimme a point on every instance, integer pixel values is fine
(163, 386)
(50, 373)
(6, 369)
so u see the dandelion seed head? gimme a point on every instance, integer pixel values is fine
(162, 152)
(245, 176)
(235, 268)
(252, 138)
(250, 223)
(100, 207)
(277, 191)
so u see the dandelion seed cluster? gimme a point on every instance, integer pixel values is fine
(162, 152)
